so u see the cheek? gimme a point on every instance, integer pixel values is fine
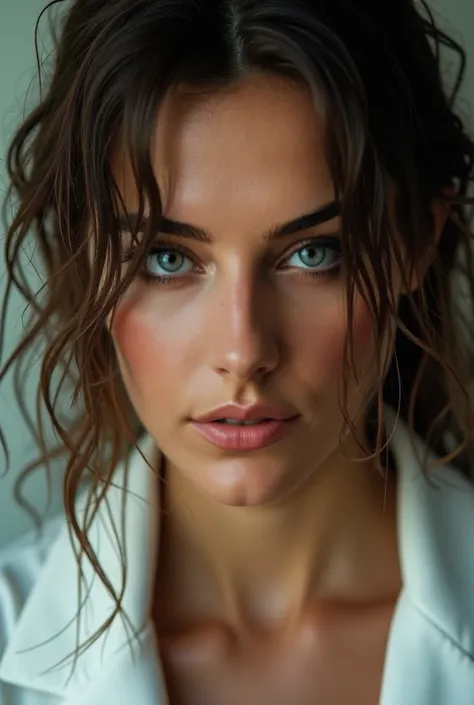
(150, 351)
(363, 330)
(322, 342)
(132, 339)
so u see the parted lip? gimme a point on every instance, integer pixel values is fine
(245, 413)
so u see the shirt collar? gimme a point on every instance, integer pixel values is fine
(435, 577)
(48, 617)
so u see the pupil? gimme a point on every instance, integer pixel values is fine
(170, 260)
(309, 255)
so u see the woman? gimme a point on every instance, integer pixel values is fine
(253, 220)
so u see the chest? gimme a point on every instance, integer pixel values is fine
(323, 662)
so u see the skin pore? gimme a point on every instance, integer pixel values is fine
(279, 563)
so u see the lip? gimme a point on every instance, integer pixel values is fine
(229, 437)
(245, 413)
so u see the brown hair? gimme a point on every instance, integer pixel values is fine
(374, 68)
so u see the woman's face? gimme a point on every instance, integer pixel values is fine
(237, 315)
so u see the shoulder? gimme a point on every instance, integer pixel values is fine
(33, 543)
(21, 563)
(435, 528)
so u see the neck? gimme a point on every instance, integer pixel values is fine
(334, 539)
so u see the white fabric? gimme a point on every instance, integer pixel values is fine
(430, 653)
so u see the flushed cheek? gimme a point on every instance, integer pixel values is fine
(322, 342)
(155, 354)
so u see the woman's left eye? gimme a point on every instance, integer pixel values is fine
(316, 256)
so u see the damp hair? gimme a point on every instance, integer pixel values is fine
(375, 73)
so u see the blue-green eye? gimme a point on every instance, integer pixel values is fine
(167, 261)
(316, 256)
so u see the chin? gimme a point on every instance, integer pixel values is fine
(248, 483)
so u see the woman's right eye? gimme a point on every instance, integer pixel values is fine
(166, 262)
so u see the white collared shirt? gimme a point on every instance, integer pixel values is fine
(430, 651)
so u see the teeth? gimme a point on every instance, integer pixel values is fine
(236, 422)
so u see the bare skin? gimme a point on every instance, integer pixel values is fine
(279, 567)
(303, 621)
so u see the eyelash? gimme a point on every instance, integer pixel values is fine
(330, 243)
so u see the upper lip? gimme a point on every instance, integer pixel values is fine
(245, 413)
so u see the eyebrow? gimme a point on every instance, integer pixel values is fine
(322, 215)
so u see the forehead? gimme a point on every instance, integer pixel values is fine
(260, 139)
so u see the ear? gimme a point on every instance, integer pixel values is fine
(440, 210)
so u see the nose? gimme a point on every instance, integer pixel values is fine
(244, 340)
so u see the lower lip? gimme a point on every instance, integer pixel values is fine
(245, 437)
